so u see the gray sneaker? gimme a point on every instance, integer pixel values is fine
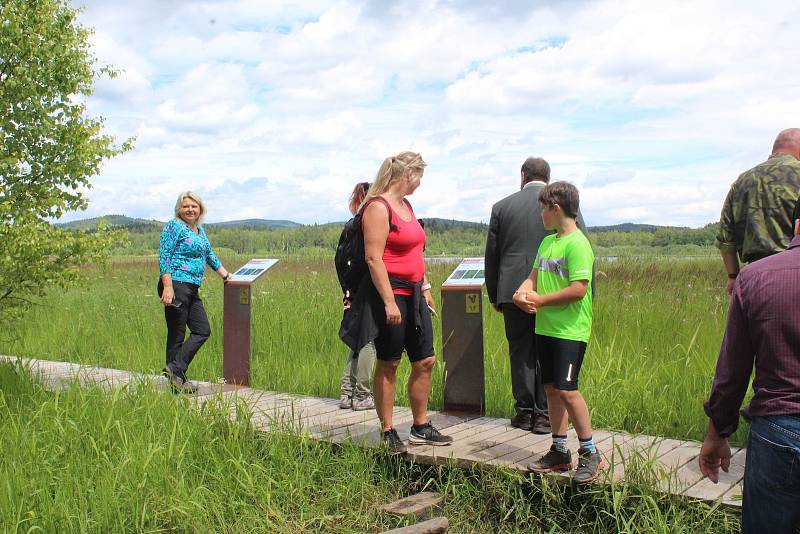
(345, 402)
(176, 382)
(589, 466)
(554, 460)
(367, 403)
(189, 387)
(428, 435)
(392, 442)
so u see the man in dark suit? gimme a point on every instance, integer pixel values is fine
(515, 232)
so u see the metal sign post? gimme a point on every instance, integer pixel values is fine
(462, 338)
(236, 321)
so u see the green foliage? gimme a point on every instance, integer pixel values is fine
(653, 321)
(86, 460)
(49, 148)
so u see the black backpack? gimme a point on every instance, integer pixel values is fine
(351, 267)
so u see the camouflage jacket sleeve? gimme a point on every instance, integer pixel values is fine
(727, 238)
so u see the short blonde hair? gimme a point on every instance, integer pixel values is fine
(191, 195)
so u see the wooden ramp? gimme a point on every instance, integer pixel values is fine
(476, 440)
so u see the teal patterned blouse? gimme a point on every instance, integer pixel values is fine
(184, 254)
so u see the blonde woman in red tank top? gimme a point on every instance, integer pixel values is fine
(397, 268)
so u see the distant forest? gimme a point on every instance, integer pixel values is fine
(445, 238)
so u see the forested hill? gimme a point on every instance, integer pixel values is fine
(445, 237)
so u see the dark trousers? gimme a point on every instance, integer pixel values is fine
(189, 312)
(526, 374)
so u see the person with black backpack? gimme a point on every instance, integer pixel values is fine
(355, 391)
(392, 305)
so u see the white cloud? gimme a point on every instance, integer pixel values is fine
(276, 109)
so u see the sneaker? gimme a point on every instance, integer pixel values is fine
(428, 435)
(554, 460)
(589, 466)
(392, 442)
(541, 424)
(367, 403)
(176, 382)
(345, 402)
(523, 420)
(189, 387)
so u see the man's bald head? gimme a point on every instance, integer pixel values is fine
(788, 142)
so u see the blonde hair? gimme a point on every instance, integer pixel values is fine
(191, 195)
(392, 169)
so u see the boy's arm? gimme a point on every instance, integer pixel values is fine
(576, 290)
(525, 288)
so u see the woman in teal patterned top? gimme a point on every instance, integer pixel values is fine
(183, 254)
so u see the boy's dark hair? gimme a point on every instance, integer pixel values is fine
(536, 169)
(562, 193)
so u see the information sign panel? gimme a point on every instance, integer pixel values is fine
(469, 272)
(251, 270)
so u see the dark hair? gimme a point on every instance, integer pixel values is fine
(536, 169)
(357, 196)
(562, 193)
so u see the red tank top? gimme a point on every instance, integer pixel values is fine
(403, 255)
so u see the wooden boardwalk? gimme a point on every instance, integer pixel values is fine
(477, 440)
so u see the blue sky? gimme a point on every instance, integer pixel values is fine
(274, 110)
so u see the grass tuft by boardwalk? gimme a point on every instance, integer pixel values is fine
(89, 460)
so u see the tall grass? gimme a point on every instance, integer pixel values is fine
(84, 460)
(656, 336)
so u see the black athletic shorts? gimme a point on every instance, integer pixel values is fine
(560, 360)
(394, 338)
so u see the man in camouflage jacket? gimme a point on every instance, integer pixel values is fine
(756, 218)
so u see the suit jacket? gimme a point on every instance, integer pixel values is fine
(515, 233)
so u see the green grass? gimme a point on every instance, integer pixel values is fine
(84, 460)
(648, 368)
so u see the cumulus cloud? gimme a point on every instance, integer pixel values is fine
(276, 109)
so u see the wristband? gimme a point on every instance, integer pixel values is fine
(425, 287)
(733, 276)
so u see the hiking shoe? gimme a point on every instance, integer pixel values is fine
(523, 420)
(589, 466)
(175, 381)
(345, 402)
(189, 387)
(428, 435)
(541, 424)
(367, 403)
(554, 460)
(392, 442)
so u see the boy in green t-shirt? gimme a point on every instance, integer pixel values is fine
(558, 291)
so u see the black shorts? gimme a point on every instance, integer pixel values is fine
(560, 360)
(394, 338)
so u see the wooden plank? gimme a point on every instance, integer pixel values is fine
(733, 497)
(681, 469)
(465, 443)
(417, 505)
(437, 525)
(709, 491)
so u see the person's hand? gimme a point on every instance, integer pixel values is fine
(393, 313)
(167, 296)
(429, 300)
(729, 287)
(522, 302)
(715, 453)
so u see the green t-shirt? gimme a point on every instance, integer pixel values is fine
(562, 260)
